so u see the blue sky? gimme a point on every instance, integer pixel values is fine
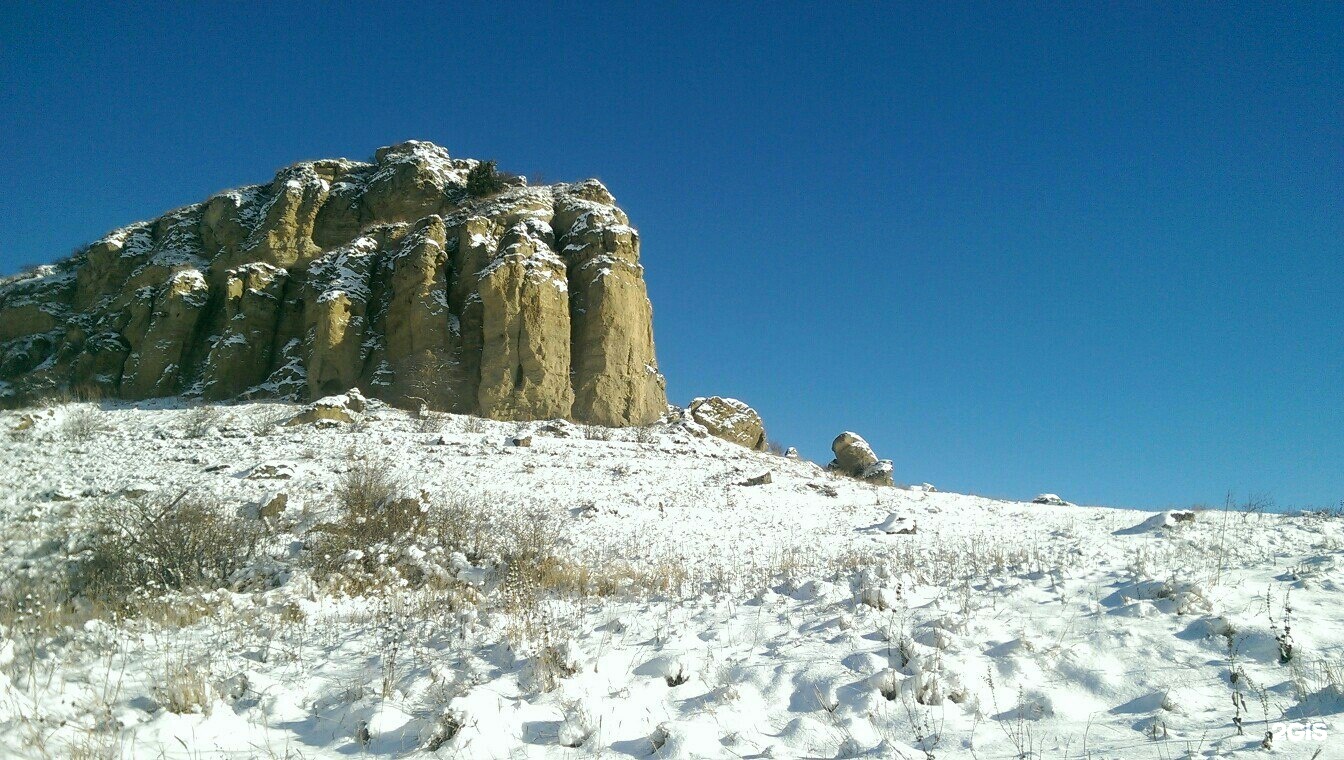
(1019, 247)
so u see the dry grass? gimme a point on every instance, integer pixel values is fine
(140, 548)
(198, 422)
(185, 688)
(84, 422)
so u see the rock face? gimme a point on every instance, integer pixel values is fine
(855, 458)
(731, 420)
(387, 276)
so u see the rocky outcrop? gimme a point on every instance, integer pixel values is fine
(527, 304)
(855, 458)
(729, 419)
(340, 408)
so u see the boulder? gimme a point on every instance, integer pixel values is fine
(760, 480)
(1051, 499)
(852, 454)
(340, 408)
(273, 507)
(731, 420)
(855, 458)
(878, 473)
(897, 525)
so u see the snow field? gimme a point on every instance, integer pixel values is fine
(681, 615)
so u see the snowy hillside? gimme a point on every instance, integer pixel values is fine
(457, 587)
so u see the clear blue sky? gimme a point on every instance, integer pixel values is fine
(1097, 251)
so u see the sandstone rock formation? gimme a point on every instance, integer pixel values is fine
(855, 458)
(340, 408)
(387, 276)
(729, 419)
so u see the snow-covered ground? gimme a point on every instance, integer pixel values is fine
(691, 616)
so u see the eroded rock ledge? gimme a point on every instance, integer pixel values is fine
(528, 304)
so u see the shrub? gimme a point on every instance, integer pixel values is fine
(483, 180)
(200, 419)
(153, 544)
(596, 433)
(372, 528)
(83, 423)
(366, 495)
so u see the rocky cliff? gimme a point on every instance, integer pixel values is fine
(389, 276)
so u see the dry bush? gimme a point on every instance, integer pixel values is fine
(65, 395)
(84, 423)
(197, 422)
(152, 544)
(365, 495)
(36, 606)
(596, 433)
(382, 537)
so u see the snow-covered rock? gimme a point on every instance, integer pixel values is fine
(854, 457)
(897, 524)
(729, 419)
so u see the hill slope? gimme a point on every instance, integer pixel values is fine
(619, 593)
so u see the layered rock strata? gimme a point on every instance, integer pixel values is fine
(387, 276)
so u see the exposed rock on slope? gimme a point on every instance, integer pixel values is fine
(388, 276)
(731, 420)
(854, 457)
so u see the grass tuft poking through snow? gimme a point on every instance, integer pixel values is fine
(190, 582)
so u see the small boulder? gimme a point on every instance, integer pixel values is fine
(273, 507)
(138, 490)
(340, 408)
(731, 420)
(759, 480)
(558, 429)
(879, 472)
(522, 441)
(897, 525)
(274, 470)
(825, 489)
(792, 453)
(1051, 499)
(852, 453)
